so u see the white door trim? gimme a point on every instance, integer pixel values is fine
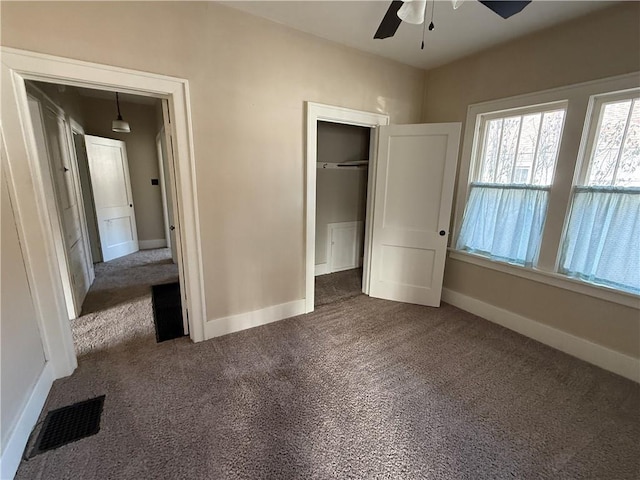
(28, 184)
(75, 127)
(163, 187)
(327, 113)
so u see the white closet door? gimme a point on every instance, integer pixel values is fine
(412, 207)
(109, 170)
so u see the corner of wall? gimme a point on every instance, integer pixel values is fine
(425, 88)
(19, 437)
(588, 351)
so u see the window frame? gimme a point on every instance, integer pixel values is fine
(581, 103)
(592, 123)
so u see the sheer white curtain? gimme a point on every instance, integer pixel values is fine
(504, 222)
(602, 242)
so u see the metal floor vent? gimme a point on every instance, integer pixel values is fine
(68, 424)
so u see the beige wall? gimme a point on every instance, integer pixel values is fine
(21, 353)
(141, 153)
(599, 45)
(249, 79)
(340, 194)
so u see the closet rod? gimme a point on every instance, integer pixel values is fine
(357, 165)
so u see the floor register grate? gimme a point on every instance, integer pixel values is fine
(69, 424)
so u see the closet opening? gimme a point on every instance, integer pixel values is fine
(342, 174)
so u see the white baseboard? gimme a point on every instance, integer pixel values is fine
(150, 244)
(322, 269)
(12, 454)
(242, 321)
(581, 348)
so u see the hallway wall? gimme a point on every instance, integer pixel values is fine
(142, 156)
(21, 352)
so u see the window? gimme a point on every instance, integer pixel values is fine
(553, 190)
(513, 171)
(602, 239)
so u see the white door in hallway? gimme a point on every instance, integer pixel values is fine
(109, 171)
(412, 206)
(52, 136)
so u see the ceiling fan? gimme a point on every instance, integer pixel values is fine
(413, 11)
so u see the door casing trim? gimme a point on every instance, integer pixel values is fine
(329, 113)
(26, 184)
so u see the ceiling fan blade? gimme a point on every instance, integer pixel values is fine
(390, 23)
(505, 8)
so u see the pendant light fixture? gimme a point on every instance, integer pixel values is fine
(120, 125)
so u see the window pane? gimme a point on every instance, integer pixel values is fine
(629, 168)
(527, 148)
(601, 243)
(488, 168)
(521, 149)
(504, 223)
(548, 145)
(608, 142)
(506, 158)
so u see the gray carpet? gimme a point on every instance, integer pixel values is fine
(361, 388)
(117, 310)
(338, 286)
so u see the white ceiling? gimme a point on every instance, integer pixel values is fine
(470, 28)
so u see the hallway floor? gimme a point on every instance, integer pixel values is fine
(117, 309)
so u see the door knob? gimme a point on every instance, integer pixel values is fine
(442, 233)
(131, 205)
(172, 228)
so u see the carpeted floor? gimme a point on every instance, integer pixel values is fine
(338, 286)
(117, 310)
(361, 388)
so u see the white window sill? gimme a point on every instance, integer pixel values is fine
(549, 278)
